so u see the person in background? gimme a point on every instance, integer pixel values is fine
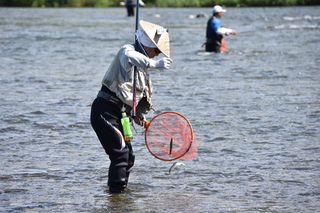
(130, 6)
(115, 97)
(214, 34)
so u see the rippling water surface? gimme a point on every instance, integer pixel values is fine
(255, 111)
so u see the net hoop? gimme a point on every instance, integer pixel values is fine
(166, 132)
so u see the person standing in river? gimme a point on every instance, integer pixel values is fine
(115, 98)
(214, 34)
(130, 6)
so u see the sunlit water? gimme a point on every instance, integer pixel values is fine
(255, 111)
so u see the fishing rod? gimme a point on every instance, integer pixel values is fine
(282, 27)
(134, 88)
(178, 130)
(258, 30)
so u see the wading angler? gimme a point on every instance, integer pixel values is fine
(116, 98)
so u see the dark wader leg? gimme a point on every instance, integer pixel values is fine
(130, 10)
(105, 120)
(213, 46)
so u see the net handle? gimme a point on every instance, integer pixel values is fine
(146, 124)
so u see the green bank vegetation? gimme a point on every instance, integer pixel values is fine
(158, 3)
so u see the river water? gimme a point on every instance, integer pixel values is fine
(255, 110)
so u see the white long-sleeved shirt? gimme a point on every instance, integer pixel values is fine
(119, 76)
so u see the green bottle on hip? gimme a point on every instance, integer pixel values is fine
(127, 134)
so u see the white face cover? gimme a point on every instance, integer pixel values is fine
(144, 39)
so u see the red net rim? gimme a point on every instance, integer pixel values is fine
(185, 139)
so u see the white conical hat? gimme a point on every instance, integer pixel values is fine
(158, 35)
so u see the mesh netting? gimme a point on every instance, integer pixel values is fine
(169, 136)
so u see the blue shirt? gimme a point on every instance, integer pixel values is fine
(212, 27)
(215, 24)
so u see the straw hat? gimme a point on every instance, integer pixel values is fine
(158, 35)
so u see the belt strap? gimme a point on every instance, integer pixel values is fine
(115, 100)
(111, 98)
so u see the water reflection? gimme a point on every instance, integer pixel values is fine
(115, 203)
